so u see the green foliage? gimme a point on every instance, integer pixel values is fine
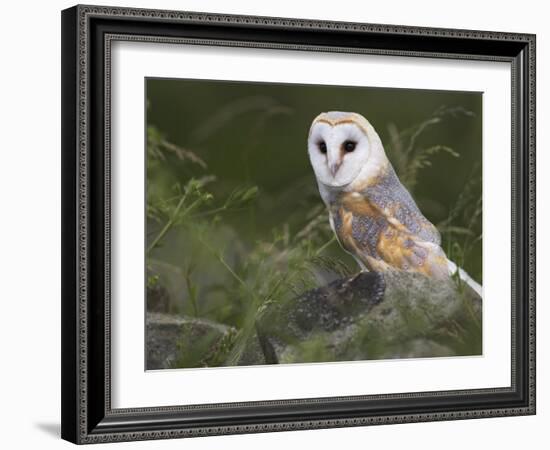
(273, 269)
(209, 351)
(158, 147)
(460, 241)
(152, 281)
(315, 349)
(408, 157)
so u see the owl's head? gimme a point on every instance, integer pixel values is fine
(344, 147)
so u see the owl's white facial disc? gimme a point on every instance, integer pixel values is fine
(337, 152)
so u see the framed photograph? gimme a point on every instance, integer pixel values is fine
(281, 224)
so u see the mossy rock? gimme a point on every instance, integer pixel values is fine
(175, 341)
(364, 317)
(371, 316)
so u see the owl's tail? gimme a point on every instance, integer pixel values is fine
(453, 268)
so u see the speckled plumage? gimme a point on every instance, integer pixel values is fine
(386, 230)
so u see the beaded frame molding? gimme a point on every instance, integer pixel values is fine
(87, 35)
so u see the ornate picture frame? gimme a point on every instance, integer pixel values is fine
(88, 33)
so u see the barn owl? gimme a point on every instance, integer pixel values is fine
(372, 214)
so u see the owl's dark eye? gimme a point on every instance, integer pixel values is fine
(322, 147)
(349, 146)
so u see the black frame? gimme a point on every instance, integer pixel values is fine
(87, 32)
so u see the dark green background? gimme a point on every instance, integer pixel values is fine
(256, 133)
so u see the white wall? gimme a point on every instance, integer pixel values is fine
(30, 208)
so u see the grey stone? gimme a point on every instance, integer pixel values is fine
(180, 341)
(372, 316)
(364, 317)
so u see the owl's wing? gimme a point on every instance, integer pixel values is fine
(392, 198)
(380, 242)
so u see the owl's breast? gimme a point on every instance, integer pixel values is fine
(358, 226)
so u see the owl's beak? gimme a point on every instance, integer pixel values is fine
(334, 167)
